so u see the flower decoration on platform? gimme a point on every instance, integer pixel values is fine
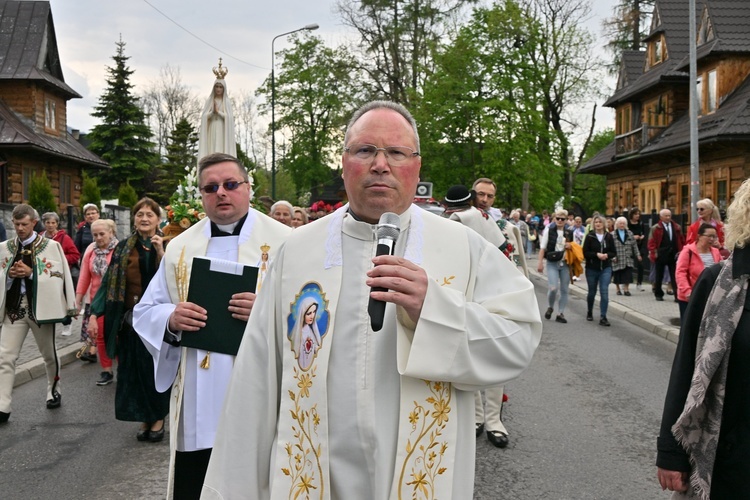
(185, 207)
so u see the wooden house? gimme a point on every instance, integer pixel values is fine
(34, 135)
(648, 164)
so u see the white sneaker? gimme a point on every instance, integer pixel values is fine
(66, 331)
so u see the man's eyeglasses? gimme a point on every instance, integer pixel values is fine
(228, 186)
(559, 218)
(395, 155)
(710, 236)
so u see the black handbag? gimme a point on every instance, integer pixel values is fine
(554, 256)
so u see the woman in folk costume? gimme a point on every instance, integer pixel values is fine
(305, 336)
(217, 120)
(134, 263)
(702, 450)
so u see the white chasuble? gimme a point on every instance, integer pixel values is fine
(320, 406)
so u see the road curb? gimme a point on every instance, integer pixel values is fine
(668, 332)
(35, 368)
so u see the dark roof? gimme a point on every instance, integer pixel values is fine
(730, 122)
(28, 47)
(674, 24)
(633, 62)
(18, 132)
(731, 23)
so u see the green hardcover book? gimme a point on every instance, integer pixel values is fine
(212, 284)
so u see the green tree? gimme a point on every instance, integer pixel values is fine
(481, 114)
(122, 138)
(590, 190)
(565, 70)
(90, 192)
(312, 98)
(182, 147)
(626, 28)
(398, 40)
(126, 195)
(40, 194)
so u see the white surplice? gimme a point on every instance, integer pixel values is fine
(471, 344)
(199, 396)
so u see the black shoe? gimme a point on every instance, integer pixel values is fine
(156, 436)
(143, 434)
(627, 293)
(589, 316)
(497, 438)
(87, 356)
(660, 299)
(4, 416)
(560, 318)
(619, 292)
(548, 314)
(480, 429)
(55, 402)
(604, 321)
(105, 379)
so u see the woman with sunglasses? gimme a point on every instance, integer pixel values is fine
(708, 213)
(555, 240)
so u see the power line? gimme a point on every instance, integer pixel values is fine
(200, 39)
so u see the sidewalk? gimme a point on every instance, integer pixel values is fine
(640, 309)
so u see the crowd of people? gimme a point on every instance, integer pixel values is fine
(460, 320)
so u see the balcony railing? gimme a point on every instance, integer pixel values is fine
(633, 141)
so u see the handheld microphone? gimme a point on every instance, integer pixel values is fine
(389, 226)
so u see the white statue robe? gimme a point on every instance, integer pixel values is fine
(198, 393)
(466, 343)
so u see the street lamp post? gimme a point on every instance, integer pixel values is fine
(309, 27)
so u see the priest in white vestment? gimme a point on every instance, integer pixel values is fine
(372, 414)
(231, 231)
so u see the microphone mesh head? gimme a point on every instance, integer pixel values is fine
(389, 226)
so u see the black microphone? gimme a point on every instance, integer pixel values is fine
(388, 228)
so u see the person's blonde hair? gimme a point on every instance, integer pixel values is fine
(708, 204)
(737, 226)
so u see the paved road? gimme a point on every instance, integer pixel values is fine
(583, 422)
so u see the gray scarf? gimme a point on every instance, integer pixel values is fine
(100, 257)
(697, 428)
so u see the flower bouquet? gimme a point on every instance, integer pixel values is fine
(185, 207)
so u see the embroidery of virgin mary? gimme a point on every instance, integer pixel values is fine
(304, 334)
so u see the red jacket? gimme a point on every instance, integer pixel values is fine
(657, 233)
(689, 268)
(72, 255)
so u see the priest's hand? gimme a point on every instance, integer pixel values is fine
(406, 282)
(187, 317)
(672, 480)
(241, 304)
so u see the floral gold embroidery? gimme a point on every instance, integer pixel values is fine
(304, 454)
(425, 455)
(181, 277)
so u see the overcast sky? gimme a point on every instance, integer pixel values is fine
(87, 31)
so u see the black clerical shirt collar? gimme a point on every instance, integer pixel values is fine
(216, 232)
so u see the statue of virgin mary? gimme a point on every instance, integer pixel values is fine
(217, 122)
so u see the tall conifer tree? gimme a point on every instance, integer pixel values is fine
(122, 138)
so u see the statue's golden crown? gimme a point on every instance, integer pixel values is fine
(221, 71)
